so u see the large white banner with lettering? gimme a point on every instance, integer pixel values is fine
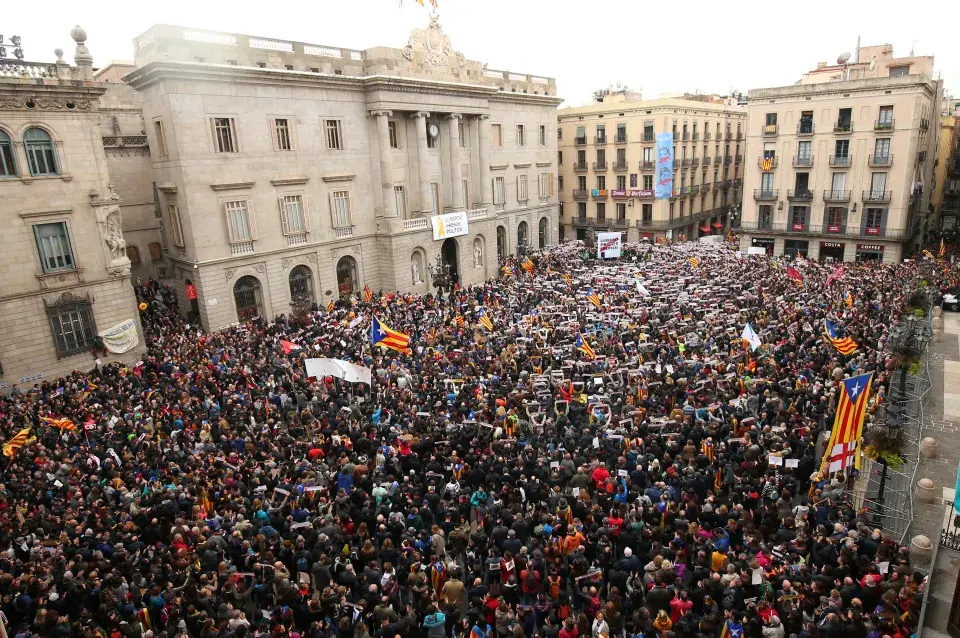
(609, 245)
(449, 225)
(345, 370)
(122, 337)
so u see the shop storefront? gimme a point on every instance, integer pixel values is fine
(795, 248)
(869, 252)
(831, 251)
(763, 242)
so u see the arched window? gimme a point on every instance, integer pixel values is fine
(8, 163)
(521, 236)
(301, 286)
(417, 267)
(543, 238)
(133, 254)
(156, 251)
(249, 298)
(347, 279)
(501, 243)
(40, 154)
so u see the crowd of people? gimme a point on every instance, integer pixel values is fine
(488, 483)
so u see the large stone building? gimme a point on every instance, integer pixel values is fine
(841, 168)
(608, 167)
(945, 199)
(63, 265)
(290, 172)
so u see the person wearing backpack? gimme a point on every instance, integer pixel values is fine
(553, 584)
(529, 584)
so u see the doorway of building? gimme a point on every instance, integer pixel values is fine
(248, 297)
(448, 251)
(831, 251)
(346, 276)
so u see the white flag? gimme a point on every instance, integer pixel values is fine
(643, 291)
(751, 337)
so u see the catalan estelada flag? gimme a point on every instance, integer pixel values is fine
(731, 629)
(943, 249)
(527, 265)
(584, 347)
(841, 451)
(18, 441)
(594, 298)
(485, 320)
(766, 163)
(367, 294)
(568, 279)
(382, 335)
(844, 345)
(506, 270)
(694, 261)
(717, 480)
(330, 306)
(63, 424)
(848, 299)
(706, 447)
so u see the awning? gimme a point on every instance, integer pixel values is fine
(717, 225)
(705, 228)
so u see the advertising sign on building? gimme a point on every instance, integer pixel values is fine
(609, 245)
(663, 187)
(449, 225)
(631, 193)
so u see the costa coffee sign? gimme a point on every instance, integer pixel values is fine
(632, 193)
(831, 244)
(870, 247)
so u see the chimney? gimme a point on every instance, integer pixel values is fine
(821, 65)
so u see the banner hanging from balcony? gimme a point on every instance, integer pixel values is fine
(663, 189)
(449, 225)
(122, 337)
(609, 245)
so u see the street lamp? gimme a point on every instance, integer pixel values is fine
(440, 274)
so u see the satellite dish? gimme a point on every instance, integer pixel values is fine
(844, 58)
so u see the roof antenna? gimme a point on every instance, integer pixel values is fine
(913, 45)
(857, 59)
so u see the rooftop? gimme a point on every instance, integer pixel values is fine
(670, 103)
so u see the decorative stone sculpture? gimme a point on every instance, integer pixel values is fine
(113, 236)
(415, 271)
(434, 45)
(477, 255)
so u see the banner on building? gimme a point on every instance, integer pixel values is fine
(663, 188)
(122, 337)
(345, 370)
(449, 225)
(609, 245)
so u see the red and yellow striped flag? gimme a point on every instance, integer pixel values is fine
(63, 424)
(485, 320)
(18, 441)
(367, 294)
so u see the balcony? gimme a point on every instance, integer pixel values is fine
(646, 166)
(737, 159)
(621, 138)
(770, 130)
(728, 160)
(802, 161)
(298, 239)
(836, 196)
(343, 233)
(600, 166)
(696, 136)
(718, 160)
(599, 193)
(739, 136)
(685, 162)
(805, 229)
(619, 224)
(695, 190)
(706, 161)
(648, 136)
(924, 124)
(600, 140)
(718, 186)
(685, 136)
(676, 164)
(840, 160)
(837, 228)
(800, 195)
(620, 166)
(876, 197)
(581, 193)
(804, 129)
(761, 195)
(580, 141)
(582, 221)
(694, 162)
(883, 126)
(843, 127)
(880, 160)
(579, 166)
(241, 248)
(707, 136)
(767, 163)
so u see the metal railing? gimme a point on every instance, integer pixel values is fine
(800, 195)
(647, 137)
(882, 126)
(600, 140)
(620, 165)
(621, 138)
(696, 136)
(843, 127)
(876, 197)
(769, 130)
(581, 193)
(811, 229)
(579, 166)
(707, 136)
(761, 195)
(805, 128)
(840, 160)
(646, 166)
(880, 160)
(580, 141)
(836, 196)
(599, 166)
(707, 161)
(802, 160)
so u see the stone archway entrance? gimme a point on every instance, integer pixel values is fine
(450, 255)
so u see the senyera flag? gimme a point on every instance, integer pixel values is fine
(288, 346)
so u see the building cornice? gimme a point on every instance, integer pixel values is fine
(338, 177)
(290, 181)
(905, 83)
(232, 186)
(46, 213)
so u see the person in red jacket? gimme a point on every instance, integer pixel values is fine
(530, 585)
(600, 476)
(569, 629)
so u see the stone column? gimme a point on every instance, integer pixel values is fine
(386, 171)
(456, 188)
(486, 187)
(423, 165)
(476, 188)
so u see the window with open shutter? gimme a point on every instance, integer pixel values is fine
(239, 226)
(292, 216)
(340, 209)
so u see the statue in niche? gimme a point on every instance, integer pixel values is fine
(477, 255)
(415, 271)
(113, 236)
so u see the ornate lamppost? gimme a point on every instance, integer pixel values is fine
(440, 274)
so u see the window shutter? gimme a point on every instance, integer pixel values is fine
(553, 178)
(493, 189)
(273, 134)
(306, 214)
(284, 223)
(250, 220)
(213, 134)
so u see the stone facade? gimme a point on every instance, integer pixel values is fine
(287, 170)
(64, 269)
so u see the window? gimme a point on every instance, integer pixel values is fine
(521, 139)
(435, 205)
(496, 135)
(885, 117)
(559, 134)
(176, 228)
(40, 156)
(543, 135)
(766, 216)
(771, 120)
(601, 210)
(334, 134)
(647, 213)
(602, 182)
(546, 185)
(161, 138)
(522, 189)
(400, 199)
(224, 135)
(834, 216)
(582, 182)
(804, 150)
(838, 184)
(844, 119)
(874, 217)
(282, 141)
(647, 132)
(633, 180)
(133, 254)
(340, 209)
(292, 219)
(899, 71)
(581, 209)
(581, 157)
(648, 182)
(542, 233)
(842, 149)
(647, 154)
(621, 210)
(766, 182)
(301, 285)
(601, 158)
(72, 325)
(560, 158)
(799, 216)
(881, 149)
(392, 130)
(238, 221)
(8, 166)
(601, 133)
(621, 182)
(156, 251)
(878, 184)
(53, 244)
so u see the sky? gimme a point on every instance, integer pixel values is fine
(656, 47)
